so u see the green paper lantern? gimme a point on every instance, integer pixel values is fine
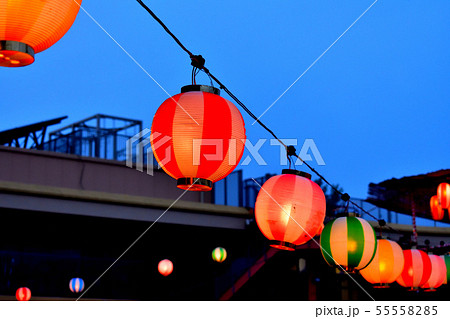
(219, 254)
(349, 242)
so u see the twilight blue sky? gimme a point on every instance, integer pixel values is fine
(376, 105)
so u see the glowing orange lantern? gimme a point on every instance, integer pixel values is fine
(290, 209)
(443, 194)
(198, 137)
(386, 265)
(437, 213)
(417, 269)
(29, 27)
(165, 267)
(23, 294)
(438, 273)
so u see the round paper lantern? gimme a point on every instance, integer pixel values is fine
(446, 259)
(198, 137)
(290, 209)
(438, 273)
(386, 265)
(29, 27)
(437, 213)
(165, 267)
(417, 269)
(219, 254)
(443, 194)
(76, 285)
(349, 242)
(23, 294)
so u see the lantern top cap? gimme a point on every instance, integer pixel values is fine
(200, 88)
(295, 172)
(348, 214)
(353, 214)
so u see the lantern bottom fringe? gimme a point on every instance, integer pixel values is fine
(349, 270)
(284, 245)
(15, 54)
(384, 285)
(194, 184)
(430, 290)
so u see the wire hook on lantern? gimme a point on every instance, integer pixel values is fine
(290, 151)
(381, 223)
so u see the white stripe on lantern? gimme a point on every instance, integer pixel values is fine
(397, 253)
(438, 274)
(299, 216)
(318, 197)
(369, 243)
(267, 188)
(338, 242)
(236, 145)
(417, 266)
(184, 151)
(290, 215)
(310, 224)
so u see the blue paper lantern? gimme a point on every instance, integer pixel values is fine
(76, 285)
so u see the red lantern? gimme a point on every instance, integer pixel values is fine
(198, 137)
(443, 194)
(437, 213)
(438, 273)
(290, 209)
(417, 269)
(23, 294)
(165, 267)
(29, 27)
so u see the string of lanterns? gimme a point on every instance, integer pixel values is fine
(165, 268)
(440, 201)
(290, 208)
(198, 138)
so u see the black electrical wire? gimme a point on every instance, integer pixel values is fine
(198, 62)
(165, 28)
